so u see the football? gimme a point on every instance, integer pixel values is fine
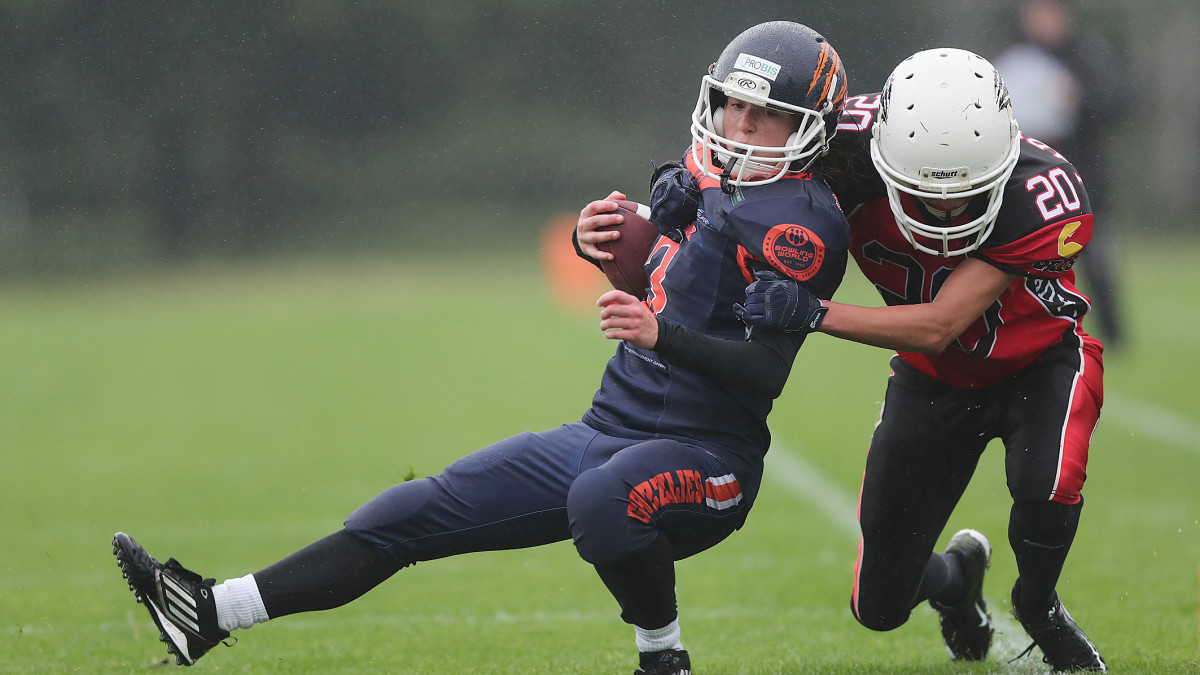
(627, 271)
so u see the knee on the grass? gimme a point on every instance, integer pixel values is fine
(879, 618)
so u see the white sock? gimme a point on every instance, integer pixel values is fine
(239, 604)
(667, 637)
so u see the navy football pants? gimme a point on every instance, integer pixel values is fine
(613, 496)
(632, 506)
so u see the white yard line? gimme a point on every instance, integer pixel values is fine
(1150, 420)
(802, 479)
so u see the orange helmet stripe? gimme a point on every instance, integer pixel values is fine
(828, 65)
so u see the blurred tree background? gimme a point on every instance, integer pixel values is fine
(135, 133)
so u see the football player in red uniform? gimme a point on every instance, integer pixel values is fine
(969, 230)
(667, 461)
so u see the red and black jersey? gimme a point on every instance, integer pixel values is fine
(1043, 224)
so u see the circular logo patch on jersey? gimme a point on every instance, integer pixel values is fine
(796, 250)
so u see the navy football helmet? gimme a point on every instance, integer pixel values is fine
(781, 65)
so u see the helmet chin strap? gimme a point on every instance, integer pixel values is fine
(717, 126)
(744, 168)
(726, 173)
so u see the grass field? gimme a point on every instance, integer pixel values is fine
(228, 417)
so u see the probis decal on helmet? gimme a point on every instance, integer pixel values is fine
(945, 132)
(781, 65)
(758, 66)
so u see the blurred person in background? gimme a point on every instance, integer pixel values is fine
(1066, 84)
(667, 462)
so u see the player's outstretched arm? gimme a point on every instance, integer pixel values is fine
(927, 327)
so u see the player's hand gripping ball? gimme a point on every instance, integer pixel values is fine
(627, 270)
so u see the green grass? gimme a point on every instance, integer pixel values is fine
(230, 416)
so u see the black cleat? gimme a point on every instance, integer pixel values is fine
(179, 601)
(666, 662)
(967, 626)
(1063, 644)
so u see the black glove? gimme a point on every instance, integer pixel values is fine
(674, 198)
(773, 301)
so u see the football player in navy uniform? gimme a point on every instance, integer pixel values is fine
(741, 201)
(969, 230)
(667, 461)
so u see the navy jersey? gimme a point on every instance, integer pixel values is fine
(1043, 224)
(794, 226)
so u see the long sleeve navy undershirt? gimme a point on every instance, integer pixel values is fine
(758, 366)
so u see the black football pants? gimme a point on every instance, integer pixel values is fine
(925, 450)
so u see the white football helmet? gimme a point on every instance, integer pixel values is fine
(782, 65)
(945, 130)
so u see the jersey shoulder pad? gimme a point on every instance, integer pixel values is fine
(847, 165)
(803, 235)
(1046, 217)
(1048, 252)
(858, 114)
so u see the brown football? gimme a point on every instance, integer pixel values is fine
(627, 272)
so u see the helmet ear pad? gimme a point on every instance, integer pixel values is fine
(794, 138)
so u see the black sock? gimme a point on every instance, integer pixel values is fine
(1041, 534)
(323, 575)
(942, 582)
